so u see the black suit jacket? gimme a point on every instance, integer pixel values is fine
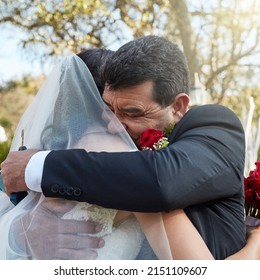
(201, 171)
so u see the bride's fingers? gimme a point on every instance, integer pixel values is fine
(77, 227)
(78, 242)
(69, 254)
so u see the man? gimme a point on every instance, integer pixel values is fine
(147, 86)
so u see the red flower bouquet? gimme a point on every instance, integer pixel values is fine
(252, 192)
(153, 139)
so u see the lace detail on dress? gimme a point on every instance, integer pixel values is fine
(86, 211)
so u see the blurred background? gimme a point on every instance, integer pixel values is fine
(221, 40)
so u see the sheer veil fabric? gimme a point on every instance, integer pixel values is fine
(68, 112)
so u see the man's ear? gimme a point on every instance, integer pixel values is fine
(181, 104)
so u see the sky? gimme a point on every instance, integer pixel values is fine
(8, 57)
(14, 62)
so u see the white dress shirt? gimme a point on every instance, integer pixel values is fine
(34, 170)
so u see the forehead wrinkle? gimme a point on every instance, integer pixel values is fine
(137, 99)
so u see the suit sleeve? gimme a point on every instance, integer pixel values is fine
(204, 162)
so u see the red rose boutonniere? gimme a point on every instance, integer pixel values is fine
(153, 139)
(252, 192)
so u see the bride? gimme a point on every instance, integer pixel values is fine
(68, 112)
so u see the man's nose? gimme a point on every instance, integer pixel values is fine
(114, 127)
(112, 121)
(121, 118)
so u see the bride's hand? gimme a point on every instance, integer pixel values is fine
(44, 235)
(15, 165)
(253, 236)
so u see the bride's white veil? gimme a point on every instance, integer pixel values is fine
(67, 112)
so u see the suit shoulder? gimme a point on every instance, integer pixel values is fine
(212, 108)
(215, 111)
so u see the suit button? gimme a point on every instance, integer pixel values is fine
(62, 190)
(55, 188)
(77, 191)
(69, 191)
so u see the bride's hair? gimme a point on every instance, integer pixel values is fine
(65, 126)
(95, 59)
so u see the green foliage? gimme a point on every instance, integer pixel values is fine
(5, 123)
(15, 96)
(5, 145)
(57, 27)
(4, 149)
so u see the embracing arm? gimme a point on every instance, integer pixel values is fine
(138, 181)
(251, 251)
(133, 181)
(203, 162)
(187, 244)
(185, 241)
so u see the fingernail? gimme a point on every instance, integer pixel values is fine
(98, 228)
(101, 243)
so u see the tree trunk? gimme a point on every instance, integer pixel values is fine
(181, 17)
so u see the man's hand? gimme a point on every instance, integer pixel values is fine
(13, 169)
(42, 233)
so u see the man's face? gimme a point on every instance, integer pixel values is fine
(137, 110)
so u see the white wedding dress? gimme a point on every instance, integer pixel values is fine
(123, 240)
(68, 112)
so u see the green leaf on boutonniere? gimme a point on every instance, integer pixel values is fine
(168, 130)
